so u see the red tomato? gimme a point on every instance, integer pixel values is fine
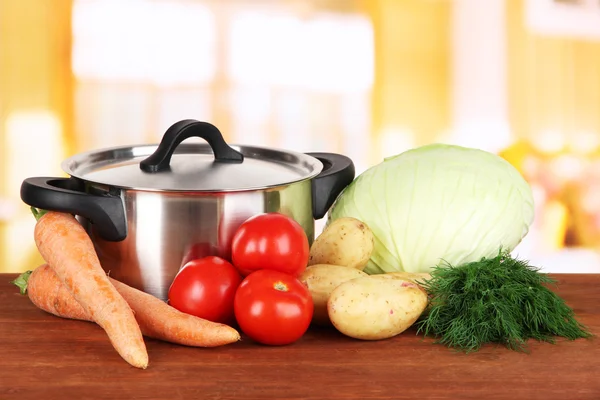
(206, 288)
(270, 241)
(273, 308)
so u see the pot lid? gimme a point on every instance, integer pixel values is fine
(211, 167)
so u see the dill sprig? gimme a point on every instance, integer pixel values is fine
(496, 300)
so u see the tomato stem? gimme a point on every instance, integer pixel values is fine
(280, 286)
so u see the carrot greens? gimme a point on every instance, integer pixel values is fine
(495, 300)
(21, 281)
(37, 213)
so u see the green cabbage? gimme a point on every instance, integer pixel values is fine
(438, 203)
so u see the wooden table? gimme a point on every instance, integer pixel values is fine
(45, 357)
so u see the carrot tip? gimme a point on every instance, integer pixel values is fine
(21, 281)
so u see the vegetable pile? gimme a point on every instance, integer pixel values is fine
(206, 298)
(422, 239)
(73, 285)
(447, 218)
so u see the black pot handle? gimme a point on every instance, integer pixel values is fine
(338, 172)
(178, 132)
(66, 195)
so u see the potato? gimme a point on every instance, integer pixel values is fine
(346, 241)
(375, 307)
(321, 279)
(415, 277)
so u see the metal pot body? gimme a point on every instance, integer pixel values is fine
(165, 230)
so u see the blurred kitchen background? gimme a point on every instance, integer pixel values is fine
(367, 78)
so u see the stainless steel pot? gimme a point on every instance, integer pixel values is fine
(149, 208)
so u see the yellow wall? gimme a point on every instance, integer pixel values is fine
(35, 75)
(412, 67)
(35, 49)
(554, 82)
(554, 86)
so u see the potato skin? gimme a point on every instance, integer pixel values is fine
(346, 241)
(321, 280)
(375, 307)
(414, 277)
(410, 276)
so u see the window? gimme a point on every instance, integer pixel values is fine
(264, 74)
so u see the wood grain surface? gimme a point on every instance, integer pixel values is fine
(45, 357)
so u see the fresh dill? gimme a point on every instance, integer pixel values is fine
(496, 300)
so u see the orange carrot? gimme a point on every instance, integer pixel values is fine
(156, 318)
(67, 248)
(47, 292)
(161, 321)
